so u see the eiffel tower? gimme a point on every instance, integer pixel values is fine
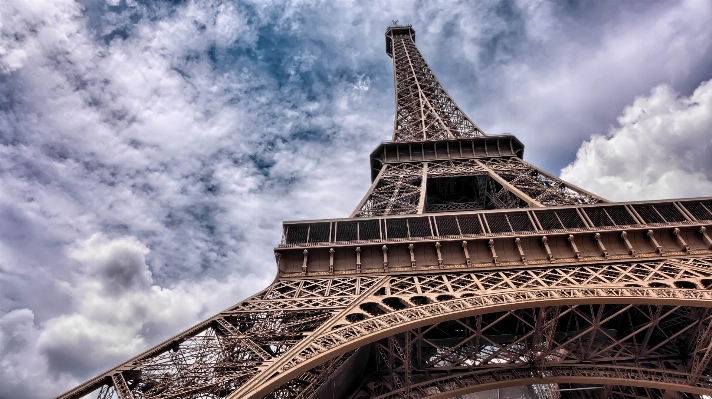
(463, 271)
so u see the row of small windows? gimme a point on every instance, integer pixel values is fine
(494, 223)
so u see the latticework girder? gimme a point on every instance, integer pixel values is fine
(466, 331)
(496, 183)
(424, 110)
(470, 353)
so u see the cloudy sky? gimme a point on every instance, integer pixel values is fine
(149, 150)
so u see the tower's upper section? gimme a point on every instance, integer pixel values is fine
(439, 161)
(424, 110)
(442, 188)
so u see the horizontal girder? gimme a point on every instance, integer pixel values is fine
(401, 189)
(500, 222)
(282, 333)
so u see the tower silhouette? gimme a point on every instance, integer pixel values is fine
(463, 269)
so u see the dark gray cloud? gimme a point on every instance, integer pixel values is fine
(149, 150)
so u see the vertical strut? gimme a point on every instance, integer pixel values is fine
(408, 363)
(544, 336)
(702, 354)
(423, 188)
(120, 386)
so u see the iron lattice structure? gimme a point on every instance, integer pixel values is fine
(464, 269)
(424, 110)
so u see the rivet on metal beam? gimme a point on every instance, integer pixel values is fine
(597, 236)
(385, 258)
(624, 237)
(440, 256)
(518, 241)
(680, 240)
(494, 253)
(545, 243)
(651, 236)
(467, 254)
(572, 241)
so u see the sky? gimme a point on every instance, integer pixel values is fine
(149, 150)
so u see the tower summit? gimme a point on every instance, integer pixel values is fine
(440, 161)
(424, 110)
(463, 269)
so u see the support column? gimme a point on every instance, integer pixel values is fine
(519, 193)
(423, 187)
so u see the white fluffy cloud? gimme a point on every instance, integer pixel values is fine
(553, 73)
(144, 179)
(20, 360)
(119, 310)
(662, 148)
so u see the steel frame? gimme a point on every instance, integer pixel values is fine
(399, 188)
(424, 110)
(279, 338)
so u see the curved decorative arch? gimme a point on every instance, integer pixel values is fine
(236, 354)
(329, 344)
(465, 383)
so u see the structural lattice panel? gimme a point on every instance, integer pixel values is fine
(424, 110)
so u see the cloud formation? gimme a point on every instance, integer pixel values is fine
(149, 150)
(118, 310)
(566, 70)
(149, 155)
(662, 148)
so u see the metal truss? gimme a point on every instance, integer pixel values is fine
(396, 191)
(403, 300)
(538, 185)
(217, 356)
(569, 297)
(539, 345)
(497, 183)
(462, 332)
(306, 385)
(424, 110)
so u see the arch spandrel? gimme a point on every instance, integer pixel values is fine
(443, 297)
(314, 313)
